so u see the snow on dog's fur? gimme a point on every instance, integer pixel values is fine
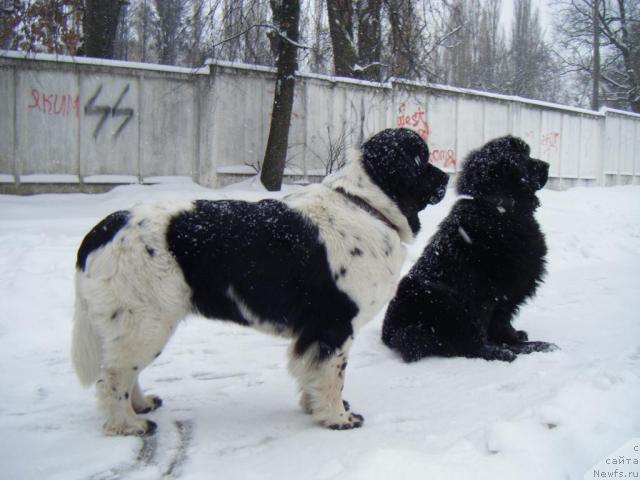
(314, 267)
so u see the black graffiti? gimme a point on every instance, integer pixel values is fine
(105, 111)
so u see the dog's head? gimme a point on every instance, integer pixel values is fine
(503, 167)
(397, 160)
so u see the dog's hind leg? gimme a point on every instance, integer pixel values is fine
(321, 379)
(114, 390)
(133, 342)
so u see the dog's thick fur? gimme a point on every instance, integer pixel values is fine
(314, 267)
(485, 260)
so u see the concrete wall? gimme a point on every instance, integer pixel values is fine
(83, 123)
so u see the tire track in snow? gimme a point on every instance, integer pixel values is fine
(150, 456)
(185, 434)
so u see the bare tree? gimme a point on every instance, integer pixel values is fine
(99, 27)
(405, 39)
(617, 24)
(42, 25)
(415, 34)
(595, 87)
(356, 37)
(334, 154)
(142, 20)
(345, 55)
(286, 18)
(369, 38)
(170, 29)
(529, 57)
(459, 51)
(314, 18)
(491, 51)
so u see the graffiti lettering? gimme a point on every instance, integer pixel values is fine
(446, 158)
(415, 120)
(550, 141)
(91, 108)
(55, 104)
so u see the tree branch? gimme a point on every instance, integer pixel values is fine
(273, 28)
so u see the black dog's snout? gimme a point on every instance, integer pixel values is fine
(541, 173)
(440, 180)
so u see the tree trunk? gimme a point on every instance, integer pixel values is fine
(595, 78)
(369, 38)
(286, 16)
(341, 29)
(402, 22)
(99, 25)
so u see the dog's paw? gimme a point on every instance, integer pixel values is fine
(530, 347)
(140, 428)
(352, 420)
(149, 404)
(497, 352)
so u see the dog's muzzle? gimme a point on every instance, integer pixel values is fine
(540, 173)
(440, 181)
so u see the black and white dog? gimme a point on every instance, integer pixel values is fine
(485, 260)
(314, 267)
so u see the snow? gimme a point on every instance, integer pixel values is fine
(49, 178)
(110, 179)
(49, 57)
(230, 409)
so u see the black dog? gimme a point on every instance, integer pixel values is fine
(486, 259)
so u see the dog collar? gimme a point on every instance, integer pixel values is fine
(367, 207)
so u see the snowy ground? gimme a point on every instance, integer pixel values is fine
(230, 410)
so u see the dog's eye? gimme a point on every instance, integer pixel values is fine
(417, 160)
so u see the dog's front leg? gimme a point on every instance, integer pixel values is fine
(321, 379)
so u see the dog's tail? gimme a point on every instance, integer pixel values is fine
(86, 350)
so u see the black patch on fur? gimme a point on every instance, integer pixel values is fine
(343, 271)
(100, 235)
(151, 251)
(356, 252)
(126, 395)
(397, 160)
(271, 258)
(481, 265)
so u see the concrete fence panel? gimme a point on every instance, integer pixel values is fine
(89, 122)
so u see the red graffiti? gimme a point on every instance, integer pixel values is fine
(55, 104)
(415, 120)
(550, 141)
(445, 158)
